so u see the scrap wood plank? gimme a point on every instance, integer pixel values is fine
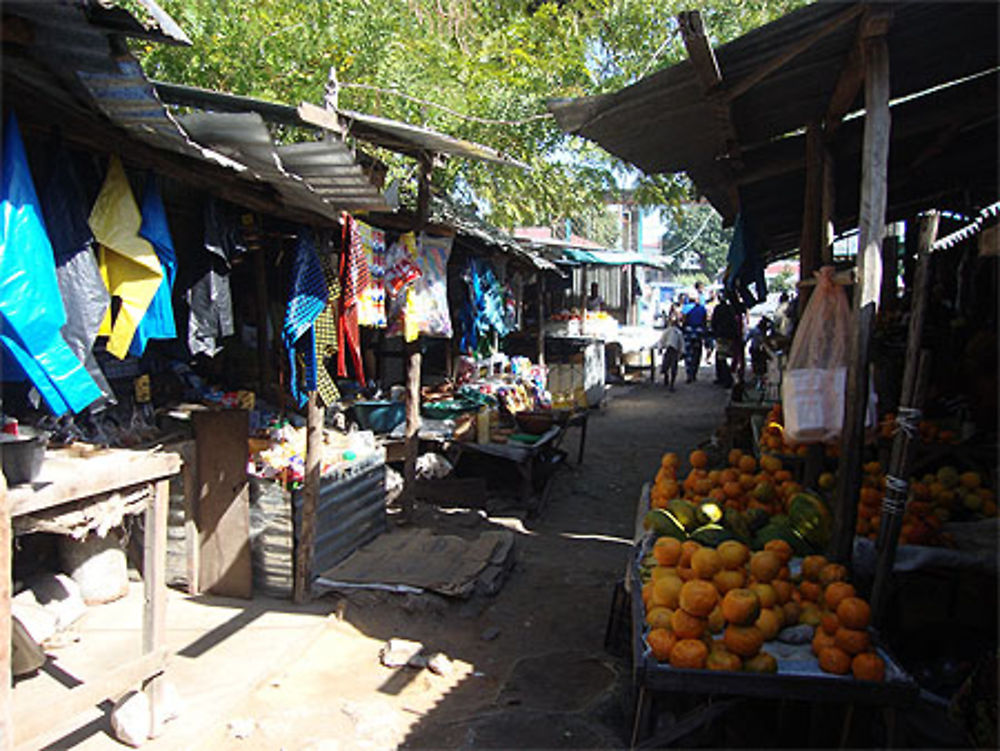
(223, 510)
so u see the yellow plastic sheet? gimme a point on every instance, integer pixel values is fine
(128, 263)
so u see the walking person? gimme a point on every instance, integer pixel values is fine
(725, 328)
(672, 344)
(694, 332)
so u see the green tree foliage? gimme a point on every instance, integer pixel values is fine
(696, 241)
(477, 69)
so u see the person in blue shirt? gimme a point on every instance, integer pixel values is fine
(695, 319)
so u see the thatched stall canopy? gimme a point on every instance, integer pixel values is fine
(737, 118)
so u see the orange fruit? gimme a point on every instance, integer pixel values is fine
(688, 548)
(768, 624)
(764, 565)
(689, 653)
(747, 464)
(698, 459)
(659, 617)
(670, 460)
(837, 591)
(784, 574)
(706, 563)
(868, 666)
(810, 614)
(747, 481)
(734, 554)
(671, 489)
(829, 623)
(698, 597)
(687, 626)
(744, 641)
(852, 641)
(734, 457)
(686, 573)
(762, 662)
(722, 659)
(703, 486)
(782, 590)
(781, 548)
(792, 612)
(729, 579)
(832, 572)
(732, 489)
(741, 606)
(713, 475)
(821, 640)
(853, 612)
(667, 551)
(661, 642)
(729, 475)
(716, 620)
(811, 591)
(647, 592)
(812, 565)
(666, 592)
(834, 660)
(658, 572)
(766, 594)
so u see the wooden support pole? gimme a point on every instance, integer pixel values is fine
(154, 582)
(260, 289)
(310, 496)
(540, 296)
(871, 229)
(828, 207)
(412, 446)
(810, 240)
(915, 374)
(6, 551)
(890, 271)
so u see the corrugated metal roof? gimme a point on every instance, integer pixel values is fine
(467, 222)
(69, 49)
(668, 123)
(245, 138)
(393, 135)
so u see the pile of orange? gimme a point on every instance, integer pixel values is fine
(740, 485)
(930, 431)
(716, 608)
(774, 440)
(934, 499)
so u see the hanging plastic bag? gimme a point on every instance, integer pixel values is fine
(815, 381)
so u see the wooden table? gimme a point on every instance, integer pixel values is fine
(68, 481)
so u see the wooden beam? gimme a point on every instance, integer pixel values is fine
(540, 296)
(6, 552)
(828, 207)
(915, 372)
(779, 61)
(874, 182)
(412, 447)
(154, 582)
(706, 66)
(811, 238)
(310, 497)
(874, 24)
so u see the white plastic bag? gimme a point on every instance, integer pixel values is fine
(812, 392)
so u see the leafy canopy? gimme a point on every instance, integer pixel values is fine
(493, 61)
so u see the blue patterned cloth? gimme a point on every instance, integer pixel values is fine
(307, 297)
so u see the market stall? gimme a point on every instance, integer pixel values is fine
(761, 126)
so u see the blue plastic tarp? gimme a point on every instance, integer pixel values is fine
(31, 309)
(158, 323)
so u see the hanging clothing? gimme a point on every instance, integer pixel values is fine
(371, 299)
(326, 333)
(128, 263)
(354, 280)
(485, 309)
(31, 310)
(158, 323)
(209, 298)
(306, 299)
(85, 297)
(744, 265)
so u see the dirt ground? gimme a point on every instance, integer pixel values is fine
(529, 669)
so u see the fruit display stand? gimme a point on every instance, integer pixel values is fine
(798, 675)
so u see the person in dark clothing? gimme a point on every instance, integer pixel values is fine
(694, 332)
(725, 328)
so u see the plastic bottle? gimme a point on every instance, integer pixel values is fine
(483, 425)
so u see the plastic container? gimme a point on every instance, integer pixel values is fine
(379, 416)
(22, 456)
